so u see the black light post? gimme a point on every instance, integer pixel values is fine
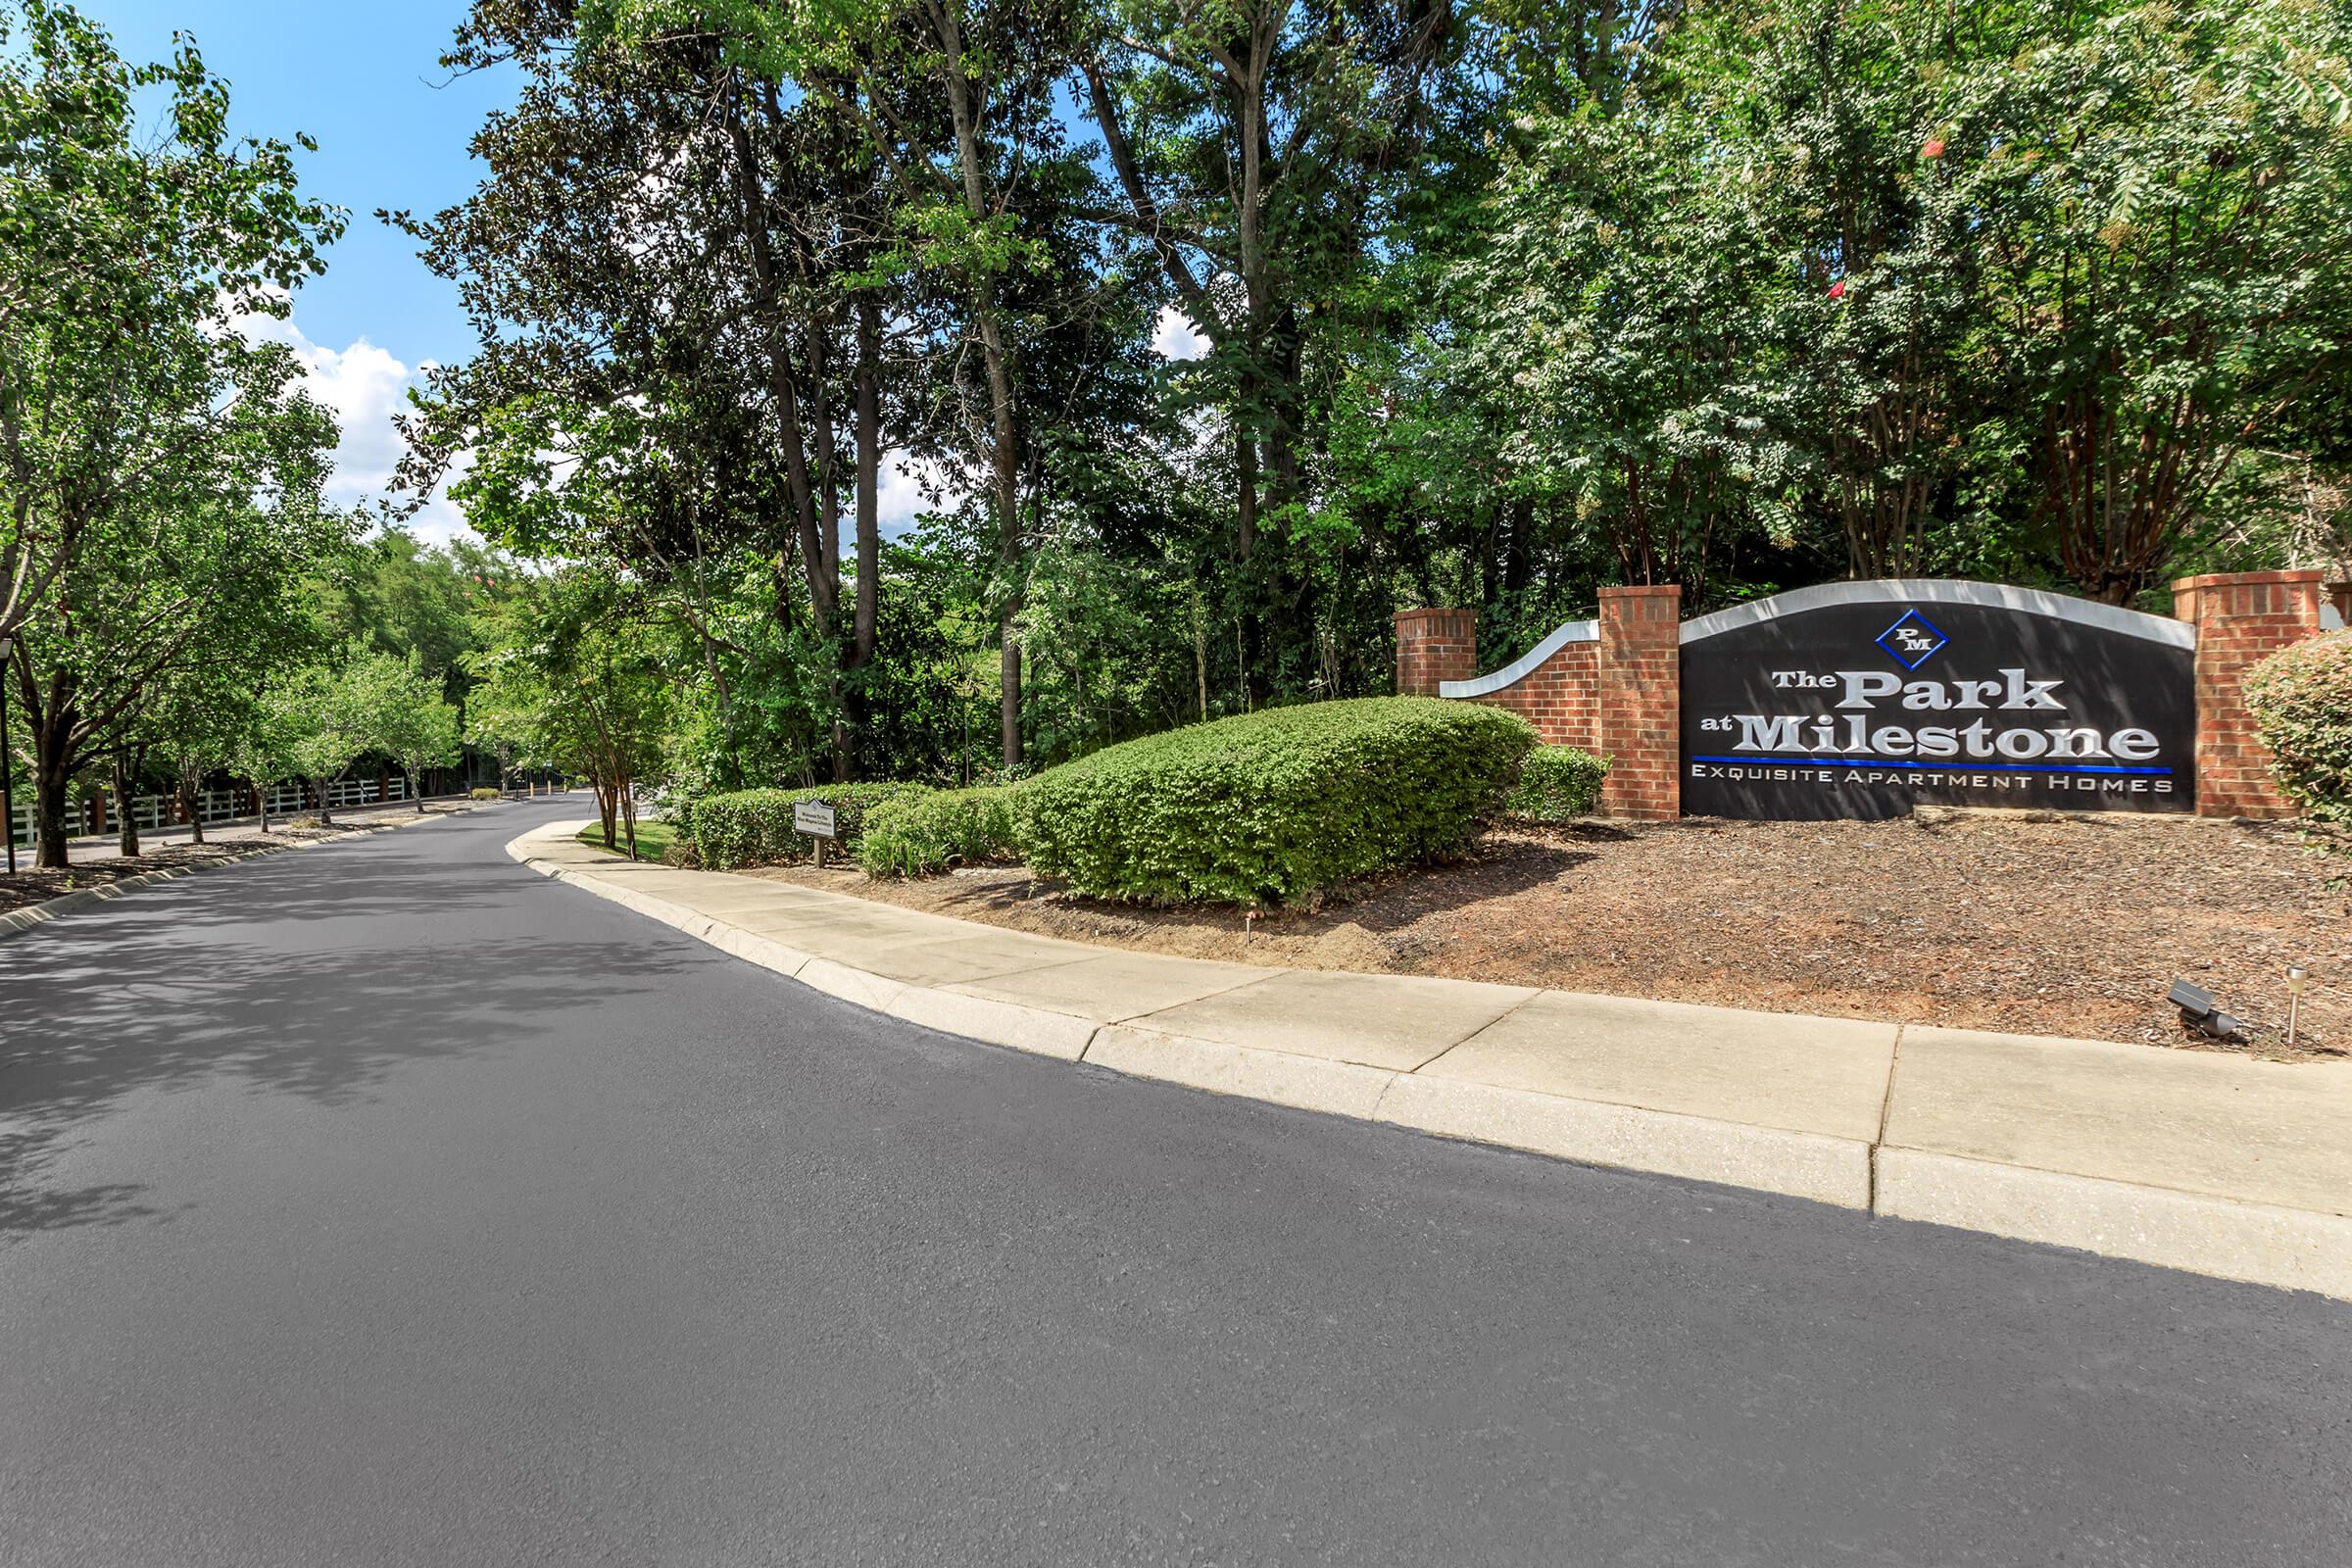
(8, 789)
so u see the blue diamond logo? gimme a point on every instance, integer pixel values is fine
(1912, 640)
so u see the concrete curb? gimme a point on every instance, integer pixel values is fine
(16, 923)
(2290, 1249)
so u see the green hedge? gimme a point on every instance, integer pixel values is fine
(485, 792)
(914, 835)
(754, 827)
(2301, 699)
(1270, 805)
(1558, 782)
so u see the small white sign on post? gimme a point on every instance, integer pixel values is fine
(815, 818)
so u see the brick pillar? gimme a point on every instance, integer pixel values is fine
(2240, 617)
(1434, 645)
(1641, 701)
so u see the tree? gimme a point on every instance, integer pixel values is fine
(704, 354)
(952, 103)
(219, 585)
(1254, 145)
(197, 722)
(2166, 196)
(336, 715)
(578, 680)
(124, 259)
(424, 730)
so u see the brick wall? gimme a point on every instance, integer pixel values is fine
(2240, 617)
(1620, 696)
(1640, 690)
(1433, 646)
(1560, 697)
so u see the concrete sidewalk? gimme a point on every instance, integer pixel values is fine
(2213, 1164)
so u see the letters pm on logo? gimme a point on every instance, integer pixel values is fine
(1912, 640)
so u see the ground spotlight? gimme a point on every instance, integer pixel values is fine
(2198, 1011)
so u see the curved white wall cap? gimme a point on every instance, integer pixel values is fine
(1576, 631)
(1942, 591)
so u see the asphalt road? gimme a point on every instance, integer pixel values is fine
(387, 1203)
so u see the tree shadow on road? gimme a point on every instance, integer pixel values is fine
(260, 984)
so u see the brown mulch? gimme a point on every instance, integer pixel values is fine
(2060, 926)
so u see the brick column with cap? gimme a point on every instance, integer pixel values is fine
(1641, 679)
(2242, 618)
(1433, 646)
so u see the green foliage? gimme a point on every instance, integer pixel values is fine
(754, 827)
(424, 733)
(1268, 807)
(1558, 782)
(485, 792)
(578, 678)
(134, 229)
(918, 834)
(330, 717)
(2301, 698)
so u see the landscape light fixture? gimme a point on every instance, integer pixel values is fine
(2198, 1011)
(2297, 977)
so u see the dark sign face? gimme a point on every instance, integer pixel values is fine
(1859, 700)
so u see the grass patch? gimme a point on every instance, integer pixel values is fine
(654, 839)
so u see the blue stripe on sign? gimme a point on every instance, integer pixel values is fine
(1915, 766)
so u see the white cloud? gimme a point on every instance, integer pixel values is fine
(1175, 337)
(365, 386)
(899, 491)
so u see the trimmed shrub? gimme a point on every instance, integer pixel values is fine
(1266, 806)
(485, 792)
(1558, 782)
(2301, 699)
(914, 835)
(754, 827)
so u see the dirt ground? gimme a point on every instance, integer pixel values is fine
(92, 869)
(2060, 926)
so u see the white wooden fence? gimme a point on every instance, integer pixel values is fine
(153, 812)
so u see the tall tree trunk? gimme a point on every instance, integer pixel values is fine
(52, 774)
(858, 656)
(966, 107)
(53, 716)
(1254, 686)
(127, 828)
(191, 799)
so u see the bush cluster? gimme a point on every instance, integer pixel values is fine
(915, 835)
(1558, 782)
(485, 792)
(754, 827)
(2301, 699)
(1266, 806)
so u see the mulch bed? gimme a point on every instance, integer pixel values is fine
(2051, 925)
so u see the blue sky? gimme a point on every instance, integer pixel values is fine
(392, 128)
